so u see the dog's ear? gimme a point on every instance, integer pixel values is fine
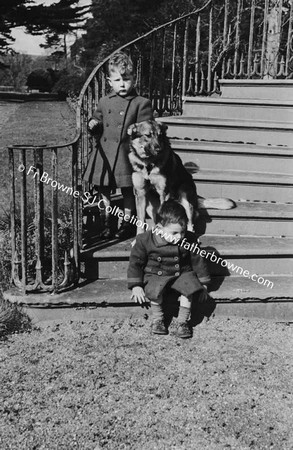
(163, 128)
(131, 130)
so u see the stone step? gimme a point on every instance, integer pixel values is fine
(239, 185)
(111, 298)
(248, 218)
(276, 309)
(235, 108)
(263, 266)
(258, 255)
(257, 89)
(230, 130)
(232, 156)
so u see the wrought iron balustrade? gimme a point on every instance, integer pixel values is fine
(36, 198)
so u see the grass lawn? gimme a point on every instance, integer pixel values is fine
(113, 385)
(31, 123)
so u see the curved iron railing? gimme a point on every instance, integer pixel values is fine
(44, 242)
(188, 55)
(184, 57)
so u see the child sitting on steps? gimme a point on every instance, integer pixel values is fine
(160, 264)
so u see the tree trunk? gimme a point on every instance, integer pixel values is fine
(273, 39)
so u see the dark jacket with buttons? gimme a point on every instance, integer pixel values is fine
(155, 264)
(108, 164)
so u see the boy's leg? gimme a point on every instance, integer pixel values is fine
(127, 229)
(184, 328)
(158, 324)
(128, 200)
(106, 196)
(170, 305)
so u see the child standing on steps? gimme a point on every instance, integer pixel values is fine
(108, 167)
(162, 263)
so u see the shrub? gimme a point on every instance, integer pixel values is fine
(64, 244)
(5, 255)
(43, 80)
(69, 83)
(12, 319)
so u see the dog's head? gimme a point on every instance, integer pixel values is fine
(146, 138)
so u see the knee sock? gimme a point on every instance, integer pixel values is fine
(183, 315)
(128, 200)
(157, 311)
(106, 196)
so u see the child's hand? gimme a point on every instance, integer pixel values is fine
(203, 295)
(138, 295)
(93, 125)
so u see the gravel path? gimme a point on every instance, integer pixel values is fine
(112, 385)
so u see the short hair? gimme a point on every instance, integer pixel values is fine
(122, 62)
(172, 211)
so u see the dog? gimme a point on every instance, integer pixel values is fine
(159, 174)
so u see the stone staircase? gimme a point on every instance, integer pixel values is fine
(242, 143)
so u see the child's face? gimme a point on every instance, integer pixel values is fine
(172, 232)
(122, 84)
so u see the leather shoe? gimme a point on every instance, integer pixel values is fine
(184, 330)
(127, 230)
(106, 233)
(159, 327)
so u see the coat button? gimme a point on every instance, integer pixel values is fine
(176, 266)
(160, 272)
(119, 126)
(176, 258)
(121, 113)
(159, 258)
(177, 274)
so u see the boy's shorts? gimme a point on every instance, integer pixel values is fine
(186, 284)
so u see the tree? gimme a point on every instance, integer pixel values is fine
(116, 22)
(18, 67)
(56, 59)
(59, 18)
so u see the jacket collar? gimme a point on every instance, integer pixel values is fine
(130, 96)
(159, 241)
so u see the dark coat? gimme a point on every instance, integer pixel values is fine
(108, 164)
(154, 264)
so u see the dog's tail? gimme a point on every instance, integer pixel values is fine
(215, 203)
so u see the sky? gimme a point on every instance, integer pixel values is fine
(25, 43)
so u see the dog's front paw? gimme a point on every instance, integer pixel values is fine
(133, 243)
